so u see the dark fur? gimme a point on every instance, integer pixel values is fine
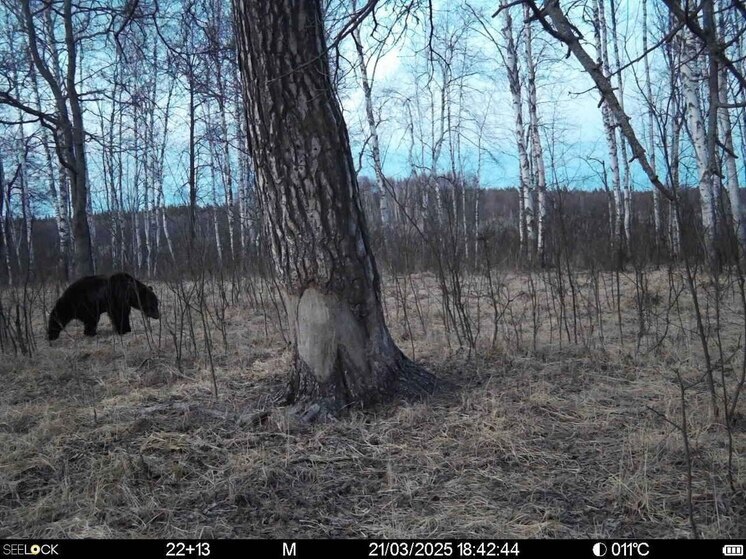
(89, 297)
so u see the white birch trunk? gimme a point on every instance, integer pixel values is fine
(151, 192)
(224, 156)
(608, 120)
(25, 198)
(673, 222)
(731, 169)
(526, 217)
(148, 156)
(136, 238)
(4, 231)
(215, 204)
(437, 139)
(729, 158)
(167, 233)
(375, 149)
(567, 33)
(243, 206)
(160, 217)
(477, 192)
(28, 216)
(657, 209)
(116, 172)
(463, 221)
(59, 193)
(626, 179)
(537, 155)
(690, 78)
(244, 172)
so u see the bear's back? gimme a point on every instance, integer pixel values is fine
(88, 288)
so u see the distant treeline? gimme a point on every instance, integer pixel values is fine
(464, 226)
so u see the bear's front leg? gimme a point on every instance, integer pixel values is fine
(120, 319)
(126, 322)
(90, 327)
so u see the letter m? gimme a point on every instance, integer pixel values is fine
(288, 550)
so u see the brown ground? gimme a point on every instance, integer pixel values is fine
(112, 437)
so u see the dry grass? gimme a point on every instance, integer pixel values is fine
(111, 437)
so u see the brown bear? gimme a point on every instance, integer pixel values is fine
(89, 297)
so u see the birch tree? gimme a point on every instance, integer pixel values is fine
(217, 37)
(555, 22)
(536, 153)
(657, 206)
(526, 210)
(4, 229)
(58, 190)
(725, 126)
(27, 217)
(690, 81)
(66, 120)
(671, 134)
(602, 56)
(373, 141)
(617, 71)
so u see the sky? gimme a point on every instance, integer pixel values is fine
(495, 156)
(572, 132)
(568, 105)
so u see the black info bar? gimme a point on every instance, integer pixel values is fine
(360, 548)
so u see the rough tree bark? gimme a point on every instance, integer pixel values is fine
(306, 185)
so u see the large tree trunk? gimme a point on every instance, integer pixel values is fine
(306, 184)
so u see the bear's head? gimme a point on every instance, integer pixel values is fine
(145, 300)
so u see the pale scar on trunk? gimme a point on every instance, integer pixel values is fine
(325, 325)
